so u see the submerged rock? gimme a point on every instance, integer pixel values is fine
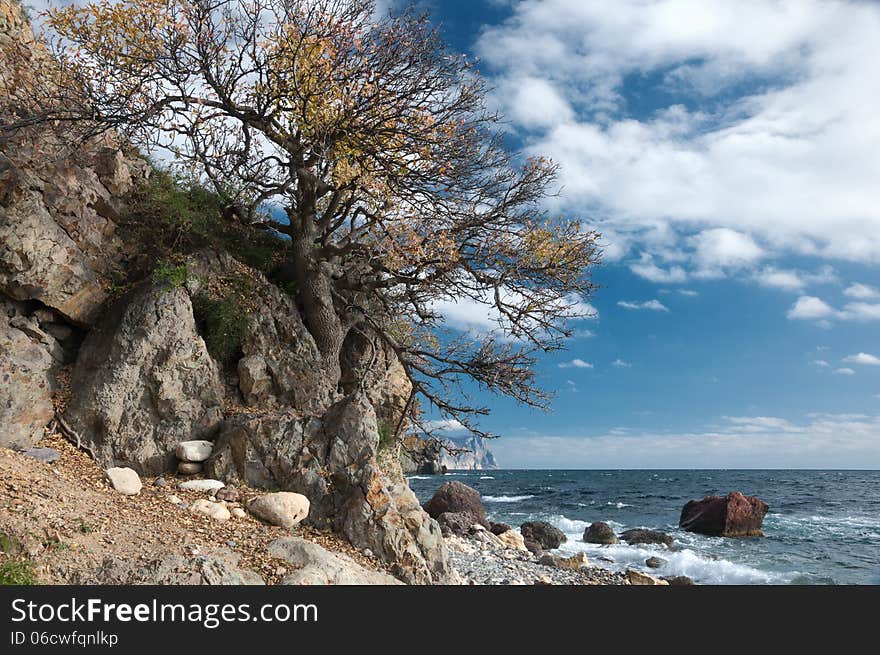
(733, 515)
(645, 536)
(655, 562)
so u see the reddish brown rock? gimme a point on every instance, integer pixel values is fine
(457, 498)
(733, 515)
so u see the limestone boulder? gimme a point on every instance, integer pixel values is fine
(144, 382)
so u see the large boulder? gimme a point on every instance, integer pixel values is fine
(317, 566)
(282, 508)
(144, 382)
(458, 498)
(331, 460)
(27, 381)
(733, 515)
(548, 536)
(645, 536)
(600, 532)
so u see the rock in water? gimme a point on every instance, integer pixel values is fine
(124, 480)
(202, 485)
(643, 579)
(144, 381)
(600, 533)
(317, 566)
(655, 562)
(679, 581)
(194, 451)
(457, 498)
(542, 532)
(216, 511)
(498, 528)
(283, 508)
(733, 515)
(645, 536)
(284, 450)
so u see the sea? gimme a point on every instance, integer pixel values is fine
(823, 527)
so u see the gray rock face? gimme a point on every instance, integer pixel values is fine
(281, 361)
(332, 462)
(467, 453)
(217, 568)
(144, 382)
(26, 382)
(318, 566)
(57, 236)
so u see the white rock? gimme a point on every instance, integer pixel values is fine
(283, 508)
(201, 485)
(194, 451)
(174, 500)
(513, 539)
(125, 480)
(216, 511)
(639, 578)
(238, 512)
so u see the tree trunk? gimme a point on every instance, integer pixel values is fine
(319, 314)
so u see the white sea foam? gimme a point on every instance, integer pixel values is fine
(486, 477)
(686, 561)
(418, 477)
(618, 505)
(505, 499)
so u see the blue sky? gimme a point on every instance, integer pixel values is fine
(729, 152)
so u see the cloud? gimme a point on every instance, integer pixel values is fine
(653, 305)
(689, 292)
(810, 308)
(791, 280)
(844, 371)
(647, 269)
(821, 363)
(619, 363)
(764, 144)
(861, 291)
(575, 363)
(863, 358)
(813, 441)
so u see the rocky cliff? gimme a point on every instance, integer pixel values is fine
(132, 329)
(433, 456)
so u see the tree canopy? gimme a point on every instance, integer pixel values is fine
(367, 143)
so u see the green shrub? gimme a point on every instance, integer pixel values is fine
(223, 324)
(169, 275)
(386, 434)
(171, 215)
(16, 572)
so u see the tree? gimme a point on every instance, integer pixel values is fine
(369, 145)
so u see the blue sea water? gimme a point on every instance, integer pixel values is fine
(823, 527)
